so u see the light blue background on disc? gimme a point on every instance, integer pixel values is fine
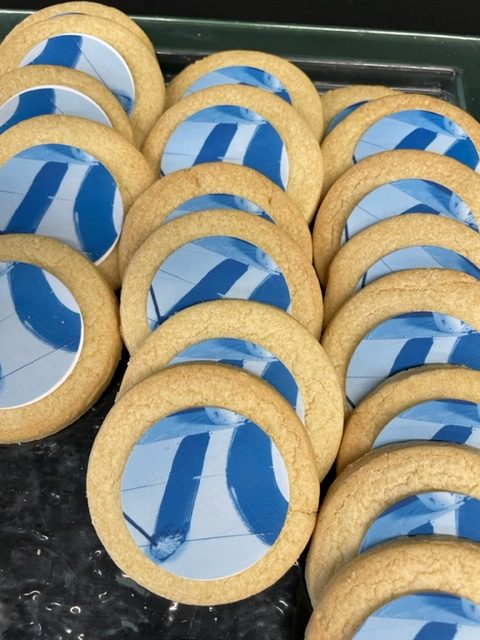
(226, 133)
(90, 55)
(63, 192)
(205, 493)
(419, 257)
(49, 100)
(420, 130)
(447, 420)
(217, 201)
(214, 268)
(249, 76)
(406, 341)
(412, 195)
(41, 333)
(423, 616)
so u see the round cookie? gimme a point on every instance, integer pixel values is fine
(71, 179)
(339, 103)
(207, 186)
(404, 320)
(410, 241)
(406, 121)
(426, 403)
(256, 69)
(49, 90)
(89, 8)
(202, 484)
(416, 489)
(392, 571)
(213, 255)
(102, 49)
(263, 340)
(242, 125)
(60, 339)
(387, 185)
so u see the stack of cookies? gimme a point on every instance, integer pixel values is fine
(396, 246)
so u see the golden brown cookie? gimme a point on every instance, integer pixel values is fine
(206, 186)
(263, 340)
(242, 125)
(202, 484)
(389, 572)
(252, 68)
(414, 405)
(383, 186)
(404, 320)
(213, 255)
(410, 241)
(408, 121)
(406, 488)
(60, 339)
(73, 180)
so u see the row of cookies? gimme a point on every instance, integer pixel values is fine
(229, 411)
(401, 305)
(65, 181)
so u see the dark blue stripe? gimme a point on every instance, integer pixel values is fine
(273, 290)
(453, 433)
(264, 153)
(437, 631)
(252, 484)
(62, 51)
(417, 139)
(30, 104)
(93, 212)
(468, 519)
(424, 529)
(212, 286)
(217, 142)
(467, 351)
(464, 151)
(38, 198)
(281, 379)
(40, 311)
(412, 354)
(421, 208)
(175, 513)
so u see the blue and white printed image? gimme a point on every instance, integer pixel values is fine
(423, 616)
(41, 333)
(449, 420)
(251, 357)
(341, 115)
(227, 133)
(429, 513)
(419, 257)
(406, 341)
(411, 195)
(217, 201)
(205, 493)
(49, 100)
(249, 76)
(214, 268)
(62, 192)
(90, 55)
(420, 130)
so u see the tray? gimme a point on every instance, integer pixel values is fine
(56, 581)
